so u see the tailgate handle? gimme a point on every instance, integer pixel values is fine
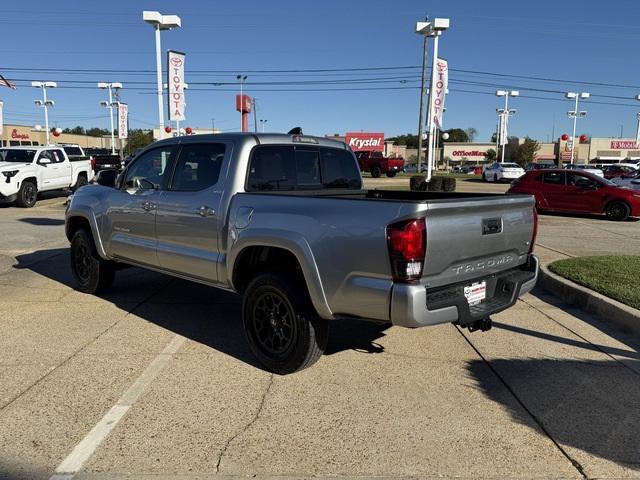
(491, 226)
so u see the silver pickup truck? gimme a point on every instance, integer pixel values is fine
(284, 221)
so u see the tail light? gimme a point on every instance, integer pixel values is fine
(93, 162)
(407, 243)
(535, 229)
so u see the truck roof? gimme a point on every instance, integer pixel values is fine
(260, 138)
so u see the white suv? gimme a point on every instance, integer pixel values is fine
(499, 171)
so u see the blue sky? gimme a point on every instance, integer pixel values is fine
(571, 41)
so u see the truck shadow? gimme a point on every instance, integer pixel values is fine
(588, 405)
(206, 315)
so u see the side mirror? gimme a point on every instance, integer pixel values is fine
(44, 161)
(107, 178)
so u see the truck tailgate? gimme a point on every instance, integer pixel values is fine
(475, 237)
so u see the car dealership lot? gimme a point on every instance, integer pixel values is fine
(548, 392)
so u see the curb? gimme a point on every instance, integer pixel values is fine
(613, 312)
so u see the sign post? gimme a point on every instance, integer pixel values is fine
(175, 84)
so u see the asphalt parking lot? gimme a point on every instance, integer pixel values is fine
(155, 380)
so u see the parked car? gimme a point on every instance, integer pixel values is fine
(618, 170)
(577, 191)
(540, 166)
(585, 168)
(377, 164)
(284, 221)
(29, 170)
(499, 171)
(414, 168)
(632, 181)
(100, 158)
(635, 163)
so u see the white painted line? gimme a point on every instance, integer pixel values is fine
(83, 451)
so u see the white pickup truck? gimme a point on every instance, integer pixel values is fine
(25, 171)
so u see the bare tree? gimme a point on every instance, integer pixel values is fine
(471, 133)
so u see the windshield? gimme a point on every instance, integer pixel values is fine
(15, 155)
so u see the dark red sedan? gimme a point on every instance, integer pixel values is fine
(578, 192)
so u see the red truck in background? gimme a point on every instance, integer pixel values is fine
(377, 164)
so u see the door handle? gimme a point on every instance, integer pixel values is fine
(147, 206)
(205, 211)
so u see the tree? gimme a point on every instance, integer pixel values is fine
(411, 141)
(491, 154)
(78, 130)
(471, 133)
(456, 135)
(97, 132)
(526, 152)
(138, 139)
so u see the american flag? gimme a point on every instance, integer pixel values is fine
(6, 83)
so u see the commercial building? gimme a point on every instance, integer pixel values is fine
(14, 135)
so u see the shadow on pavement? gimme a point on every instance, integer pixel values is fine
(590, 405)
(42, 221)
(203, 314)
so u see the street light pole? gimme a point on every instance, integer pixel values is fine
(160, 22)
(110, 105)
(504, 117)
(241, 79)
(422, 93)
(45, 103)
(574, 114)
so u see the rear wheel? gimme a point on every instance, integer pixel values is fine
(80, 182)
(92, 273)
(376, 171)
(617, 211)
(282, 328)
(27, 195)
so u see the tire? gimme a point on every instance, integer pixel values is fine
(416, 181)
(80, 182)
(282, 346)
(495, 177)
(484, 178)
(391, 173)
(449, 184)
(92, 274)
(617, 211)
(27, 195)
(376, 172)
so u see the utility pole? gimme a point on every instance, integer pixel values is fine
(213, 125)
(422, 93)
(255, 114)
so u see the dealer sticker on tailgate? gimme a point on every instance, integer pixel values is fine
(475, 292)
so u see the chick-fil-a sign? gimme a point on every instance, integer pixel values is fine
(175, 84)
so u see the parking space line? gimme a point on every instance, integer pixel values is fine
(83, 451)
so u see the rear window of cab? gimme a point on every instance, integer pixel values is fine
(291, 168)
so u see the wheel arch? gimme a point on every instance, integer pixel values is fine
(82, 220)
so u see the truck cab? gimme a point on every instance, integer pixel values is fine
(377, 164)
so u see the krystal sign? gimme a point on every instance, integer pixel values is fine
(175, 82)
(360, 142)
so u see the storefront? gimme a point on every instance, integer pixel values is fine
(466, 153)
(16, 135)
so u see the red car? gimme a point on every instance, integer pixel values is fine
(622, 171)
(578, 192)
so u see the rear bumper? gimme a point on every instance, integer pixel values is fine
(416, 306)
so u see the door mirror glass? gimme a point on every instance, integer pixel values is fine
(107, 178)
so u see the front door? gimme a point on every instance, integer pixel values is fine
(581, 194)
(131, 213)
(189, 214)
(49, 169)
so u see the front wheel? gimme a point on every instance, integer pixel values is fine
(617, 211)
(92, 273)
(282, 328)
(27, 195)
(391, 173)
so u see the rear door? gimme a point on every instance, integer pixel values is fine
(553, 191)
(189, 217)
(131, 213)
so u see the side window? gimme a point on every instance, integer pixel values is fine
(58, 156)
(149, 169)
(272, 168)
(580, 181)
(46, 156)
(198, 167)
(553, 178)
(339, 169)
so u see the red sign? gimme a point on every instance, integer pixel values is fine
(365, 142)
(623, 144)
(469, 153)
(243, 103)
(21, 136)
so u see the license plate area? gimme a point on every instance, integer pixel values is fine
(476, 292)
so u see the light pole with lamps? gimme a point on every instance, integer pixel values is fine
(575, 114)
(422, 27)
(45, 103)
(432, 29)
(263, 122)
(504, 116)
(241, 79)
(160, 22)
(110, 105)
(637, 97)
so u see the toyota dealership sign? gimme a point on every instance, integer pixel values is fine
(362, 142)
